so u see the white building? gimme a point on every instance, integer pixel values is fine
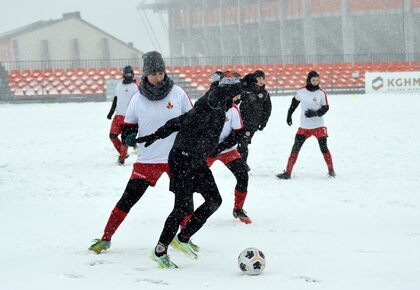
(68, 38)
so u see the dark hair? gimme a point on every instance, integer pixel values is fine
(309, 86)
(259, 74)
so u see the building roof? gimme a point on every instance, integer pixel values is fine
(41, 24)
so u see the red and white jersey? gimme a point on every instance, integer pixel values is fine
(150, 116)
(233, 121)
(311, 101)
(124, 92)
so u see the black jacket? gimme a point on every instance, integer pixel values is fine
(200, 128)
(255, 107)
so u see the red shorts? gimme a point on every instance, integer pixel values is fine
(116, 124)
(151, 172)
(317, 132)
(226, 158)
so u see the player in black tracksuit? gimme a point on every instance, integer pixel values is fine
(255, 108)
(198, 136)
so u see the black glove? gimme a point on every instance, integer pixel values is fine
(289, 120)
(130, 140)
(129, 134)
(148, 140)
(261, 127)
(311, 113)
(215, 152)
(109, 116)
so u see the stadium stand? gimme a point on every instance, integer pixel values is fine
(280, 78)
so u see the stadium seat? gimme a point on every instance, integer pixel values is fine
(58, 72)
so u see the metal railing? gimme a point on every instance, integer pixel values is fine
(208, 60)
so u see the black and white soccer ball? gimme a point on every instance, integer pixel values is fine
(251, 261)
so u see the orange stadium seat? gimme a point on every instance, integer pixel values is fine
(198, 69)
(102, 71)
(113, 71)
(90, 81)
(70, 72)
(228, 67)
(92, 72)
(208, 69)
(218, 67)
(58, 72)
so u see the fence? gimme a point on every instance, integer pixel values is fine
(209, 60)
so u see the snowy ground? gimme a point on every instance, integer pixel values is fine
(361, 230)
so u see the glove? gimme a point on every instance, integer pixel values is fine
(130, 140)
(109, 116)
(148, 140)
(216, 151)
(261, 127)
(289, 120)
(310, 113)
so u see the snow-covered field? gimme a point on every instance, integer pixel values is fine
(59, 181)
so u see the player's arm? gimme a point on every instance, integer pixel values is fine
(229, 141)
(113, 107)
(130, 127)
(171, 126)
(266, 112)
(318, 113)
(293, 105)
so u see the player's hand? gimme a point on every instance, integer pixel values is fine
(109, 117)
(215, 152)
(310, 113)
(289, 120)
(148, 140)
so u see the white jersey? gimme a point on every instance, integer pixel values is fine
(150, 116)
(311, 101)
(124, 92)
(233, 121)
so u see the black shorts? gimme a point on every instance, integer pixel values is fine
(188, 173)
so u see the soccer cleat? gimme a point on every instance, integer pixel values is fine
(242, 216)
(186, 248)
(163, 261)
(331, 173)
(122, 160)
(99, 246)
(284, 175)
(195, 247)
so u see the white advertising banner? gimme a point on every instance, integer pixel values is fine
(392, 82)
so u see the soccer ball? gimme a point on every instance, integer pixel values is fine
(251, 261)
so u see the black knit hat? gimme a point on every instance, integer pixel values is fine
(153, 63)
(259, 74)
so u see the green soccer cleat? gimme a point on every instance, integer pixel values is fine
(99, 246)
(163, 261)
(195, 247)
(186, 248)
